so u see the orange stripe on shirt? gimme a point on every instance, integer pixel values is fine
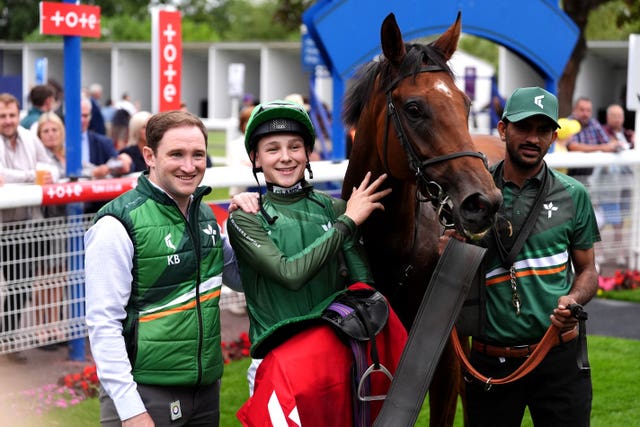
(174, 310)
(525, 273)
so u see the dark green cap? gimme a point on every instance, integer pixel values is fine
(531, 101)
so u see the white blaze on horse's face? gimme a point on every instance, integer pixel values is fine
(443, 88)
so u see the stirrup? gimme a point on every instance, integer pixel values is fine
(370, 370)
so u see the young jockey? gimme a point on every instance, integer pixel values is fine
(298, 249)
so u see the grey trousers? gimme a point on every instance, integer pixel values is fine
(171, 406)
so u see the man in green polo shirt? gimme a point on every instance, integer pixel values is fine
(533, 286)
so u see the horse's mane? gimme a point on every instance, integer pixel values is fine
(359, 93)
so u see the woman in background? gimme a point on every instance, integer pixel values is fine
(50, 130)
(49, 294)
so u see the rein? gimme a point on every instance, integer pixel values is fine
(551, 338)
(548, 341)
(437, 196)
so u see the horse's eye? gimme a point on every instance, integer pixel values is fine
(413, 110)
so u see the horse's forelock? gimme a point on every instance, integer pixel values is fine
(419, 55)
(358, 94)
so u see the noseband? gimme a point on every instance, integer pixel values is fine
(436, 194)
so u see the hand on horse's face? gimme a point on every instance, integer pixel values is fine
(365, 199)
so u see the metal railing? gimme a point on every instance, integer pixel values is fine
(42, 282)
(42, 276)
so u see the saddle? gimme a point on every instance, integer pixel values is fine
(357, 316)
(320, 372)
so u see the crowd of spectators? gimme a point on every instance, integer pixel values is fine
(611, 185)
(33, 151)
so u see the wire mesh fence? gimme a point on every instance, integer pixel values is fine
(612, 196)
(42, 282)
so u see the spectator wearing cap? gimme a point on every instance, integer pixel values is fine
(248, 100)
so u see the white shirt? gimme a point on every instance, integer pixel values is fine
(19, 164)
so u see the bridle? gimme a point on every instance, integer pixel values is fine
(436, 194)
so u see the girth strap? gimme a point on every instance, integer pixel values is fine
(358, 316)
(438, 311)
(361, 409)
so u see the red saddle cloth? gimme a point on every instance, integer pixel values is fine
(306, 381)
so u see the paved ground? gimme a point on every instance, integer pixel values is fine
(46, 367)
(608, 318)
(613, 319)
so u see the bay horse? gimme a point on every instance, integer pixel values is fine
(410, 122)
(491, 146)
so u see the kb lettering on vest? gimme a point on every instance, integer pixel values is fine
(173, 259)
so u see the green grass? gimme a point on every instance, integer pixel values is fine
(234, 391)
(631, 295)
(216, 148)
(616, 391)
(217, 144)
(217, 194)
(616, 385)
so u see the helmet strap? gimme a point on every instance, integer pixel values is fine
(264, 213)
(308, 166)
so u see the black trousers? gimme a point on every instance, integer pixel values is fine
(556, 392)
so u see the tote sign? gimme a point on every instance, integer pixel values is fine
(166, 56)
(68, 19)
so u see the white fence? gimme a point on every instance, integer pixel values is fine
(42, 283)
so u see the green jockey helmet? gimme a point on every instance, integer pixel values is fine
(278, 117)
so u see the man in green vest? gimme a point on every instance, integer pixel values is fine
(155, 261)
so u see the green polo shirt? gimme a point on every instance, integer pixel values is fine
(565, 222)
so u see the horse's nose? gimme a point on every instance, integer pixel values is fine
(478, 212)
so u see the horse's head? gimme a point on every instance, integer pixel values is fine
(418, 118)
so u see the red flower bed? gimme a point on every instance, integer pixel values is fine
(84, 383)
(627, 279)
(236, 350)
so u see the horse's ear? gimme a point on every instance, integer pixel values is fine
(448, 42)
(391, 38)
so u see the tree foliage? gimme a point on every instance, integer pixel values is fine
(258, 21)
(614, 20)
(243, 20)
(289, 12)
(203, 20)
(18, 18)
(482, 48)
(238, 20)
(579, 11)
